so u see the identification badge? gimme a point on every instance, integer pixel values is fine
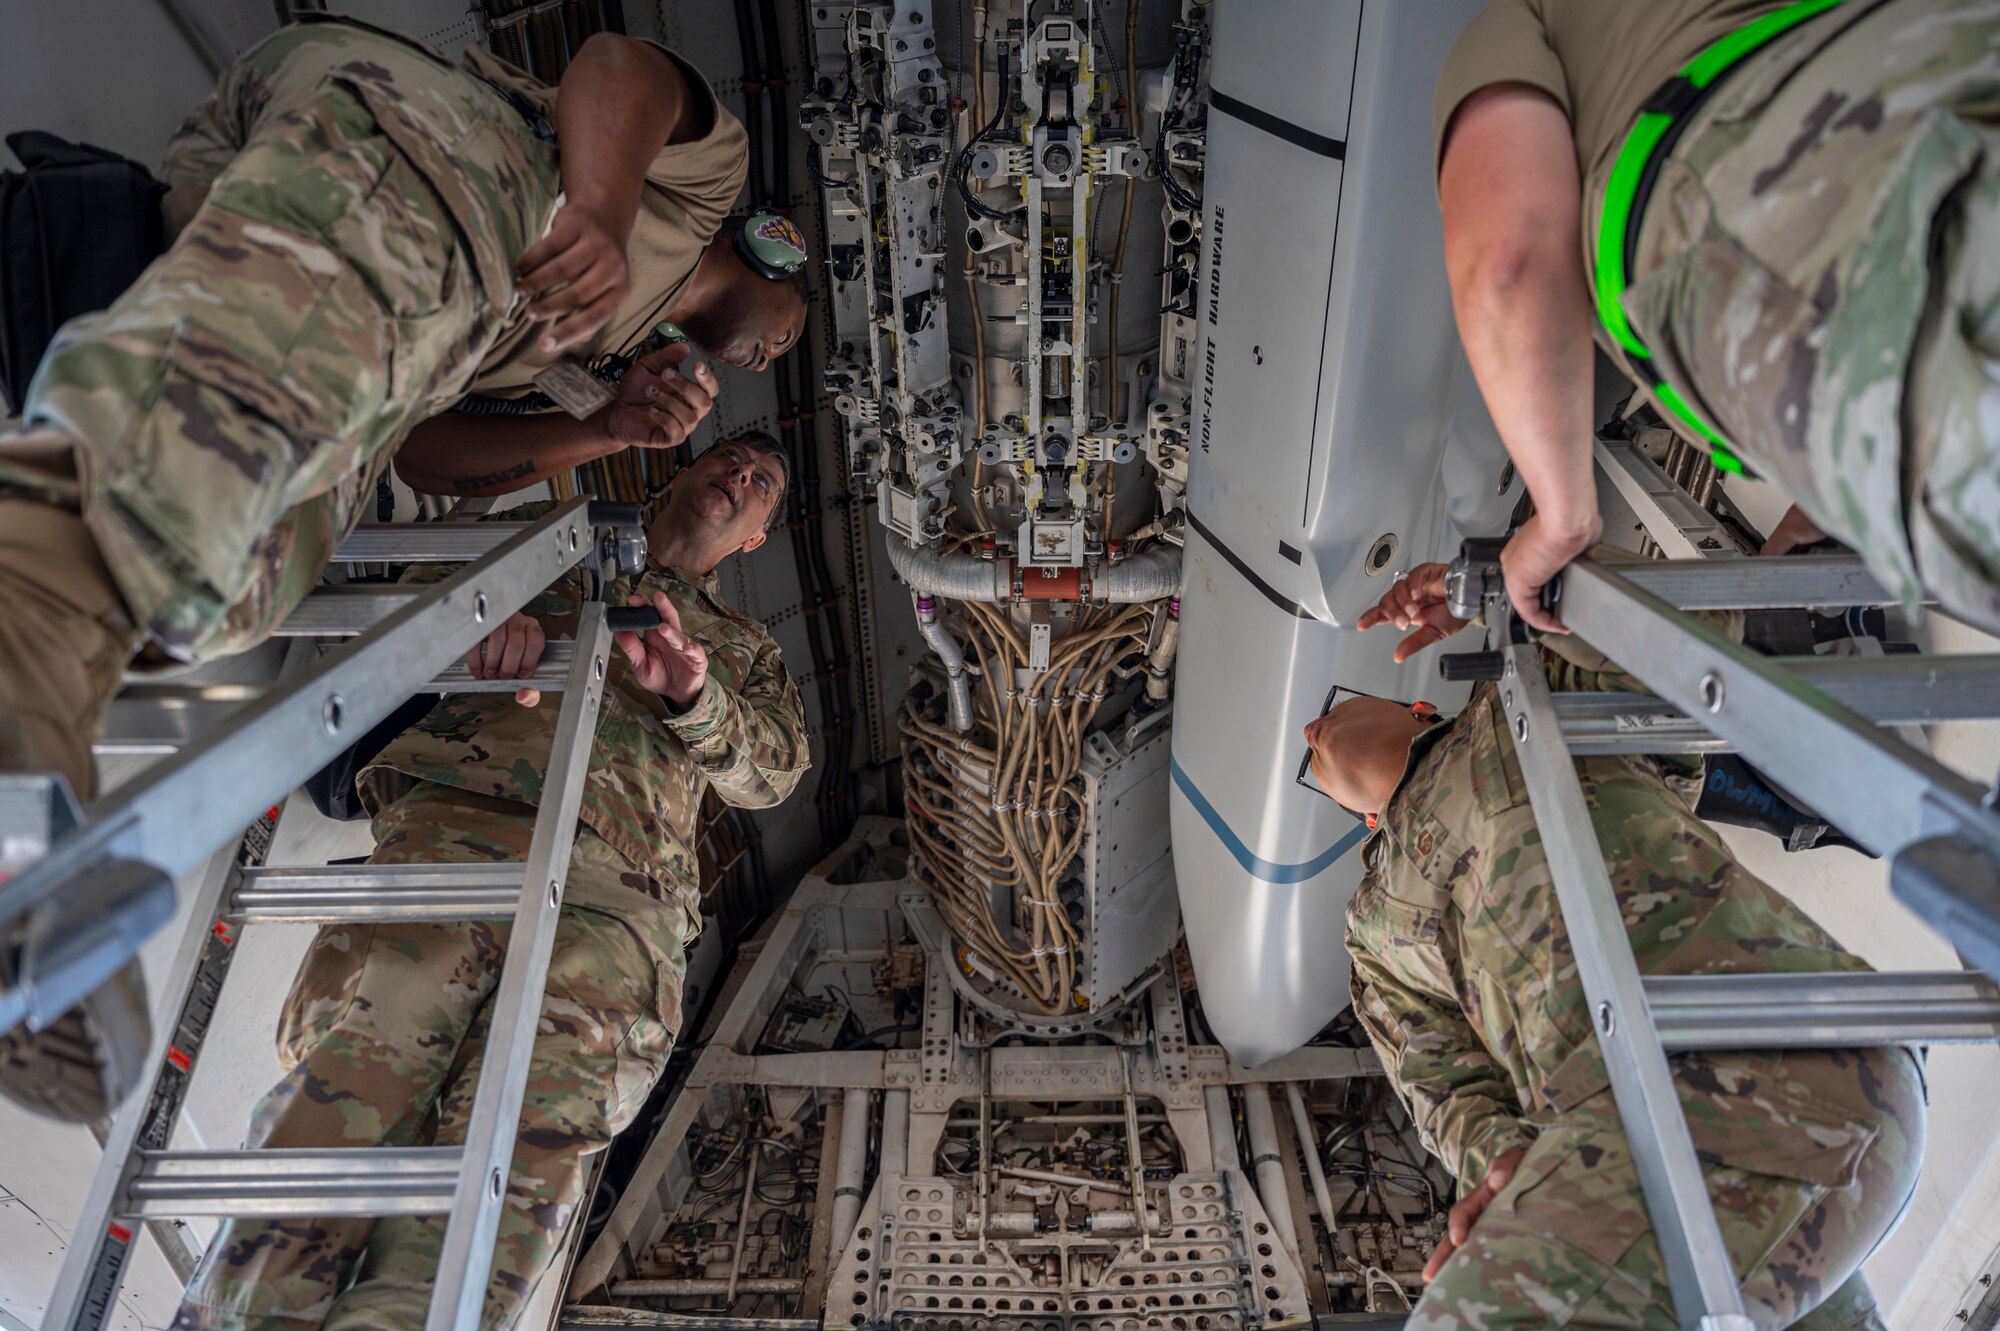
(575, 389)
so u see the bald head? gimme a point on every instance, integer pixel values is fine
(1360, 748)
(737, 316)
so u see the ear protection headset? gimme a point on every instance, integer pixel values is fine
(770, 246)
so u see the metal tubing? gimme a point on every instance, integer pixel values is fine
(1023, 1120)
(1064, 1180)
(1834, 1011)
(1150, 575)
(182, 809)
(985, 1138)
(460, 1288)
(949, 652)
(1134, 1169)
(955, 577)
(1698, 1266)
(743, 1221)
(1160, 661)
(1270, 1166)
(1302, 1127)
(853, 1166)
(690, 1289)
(293, 1183)
(1221, 1128)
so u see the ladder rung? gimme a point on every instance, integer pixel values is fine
(1886, 690)
(344, 612)
(424, 542)
(161, 718)
(1755, 584)
(551, 673)
(377, 892)
(1826, 1011)
(296, 1183)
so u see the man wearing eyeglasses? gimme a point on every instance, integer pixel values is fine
(385, 1026)
(1463, 980)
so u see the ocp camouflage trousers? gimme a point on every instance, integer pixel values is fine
(348, 209)
(1569, 1243)
(1818, 276)
(384, 1033)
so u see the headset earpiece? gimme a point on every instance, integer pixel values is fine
(770, 246)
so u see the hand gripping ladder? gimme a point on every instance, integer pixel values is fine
(164, 825)
(1811, 724)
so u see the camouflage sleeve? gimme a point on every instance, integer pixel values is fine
(751, 742)
(1575, 666)
(1462, 1104)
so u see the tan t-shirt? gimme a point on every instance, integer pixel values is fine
(1601, 59)
(690, 188)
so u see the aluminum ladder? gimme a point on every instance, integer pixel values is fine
(1811, 724)
(166, 824)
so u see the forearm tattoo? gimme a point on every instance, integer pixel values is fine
(513, 473)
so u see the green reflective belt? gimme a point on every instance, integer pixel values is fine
(1665, 114)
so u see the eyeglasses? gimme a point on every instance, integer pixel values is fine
(1423, 711)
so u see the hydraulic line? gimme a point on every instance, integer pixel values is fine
(1269, 1166)
(1111, 378)
(1302, 1126)
(753, 100)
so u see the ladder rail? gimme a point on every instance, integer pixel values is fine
(179, 811)
(1706, 1294)
(459, 1289)
(93, 1265)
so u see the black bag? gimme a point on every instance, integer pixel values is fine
(76, 227)
(331, 789)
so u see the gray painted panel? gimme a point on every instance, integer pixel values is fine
(1291, 58)
(1267, 254)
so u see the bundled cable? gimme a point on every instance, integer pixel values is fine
(1003, 807)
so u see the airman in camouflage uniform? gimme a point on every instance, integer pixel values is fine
(347, 213)
(1812, 273)
(1816, 264)
(1463, 980)
(385, 1024)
